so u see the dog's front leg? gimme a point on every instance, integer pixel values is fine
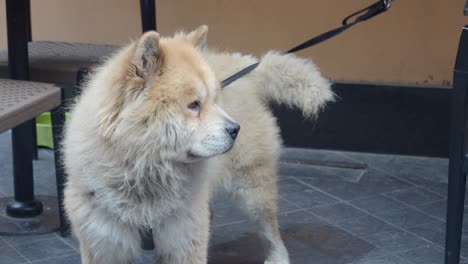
(183, 239)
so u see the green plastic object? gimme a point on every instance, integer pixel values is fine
(44, 130)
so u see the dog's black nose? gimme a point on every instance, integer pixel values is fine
(233, 129)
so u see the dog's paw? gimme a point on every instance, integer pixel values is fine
(279, 256)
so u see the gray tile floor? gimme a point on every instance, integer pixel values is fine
(393, 212)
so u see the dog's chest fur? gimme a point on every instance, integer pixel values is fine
(145, 197)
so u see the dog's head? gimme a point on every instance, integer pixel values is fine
(163, 100)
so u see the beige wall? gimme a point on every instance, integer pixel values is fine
(414, 43)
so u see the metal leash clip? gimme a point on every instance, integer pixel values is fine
(370, 11)
(388, 3)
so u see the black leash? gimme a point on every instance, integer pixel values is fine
(362, 15)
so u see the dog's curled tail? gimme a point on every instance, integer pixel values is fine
(293, 81)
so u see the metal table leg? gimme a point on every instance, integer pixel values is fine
(18, 37)
(24, 214)
(148, 23)
(29, 38)
(148, 14)
(458, 157)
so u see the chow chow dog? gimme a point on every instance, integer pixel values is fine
(152, 135)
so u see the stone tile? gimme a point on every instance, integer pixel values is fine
(464, 243)
(288, 170)
(327, 244)
(313, 154)
(308, 239)
(3, 243)
(3, 194)
(71, 241)
(407, 217)
(40, 250)
(377, 203)
(430, 173)
(71, 259)
(414, 196)
(144, 259)
(239, 243)
(299, 217)
(6, 164)
(390, 259)
(235, 243)
(227, 215)
(220, 200)
(225, 212)
(290, 185)
(337, 212)
(43, 169)
(307, 171)
(314, 157)
(226, 233)
(396, 241)
(149, 256)
(436, 209)
(424, 255)
(371, 183)
(6, 183)
(44, 173)
(439, 188)
(365, 226)
(302, 195)
(18, 240)
(464, 246)
(10, 256)
(305, 168)
(230, 232)
(285, 206)
(432, 231)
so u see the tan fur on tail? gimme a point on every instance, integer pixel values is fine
(293, 81)
(281, 78)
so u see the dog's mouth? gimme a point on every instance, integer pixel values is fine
(192, 157)
(230, 147)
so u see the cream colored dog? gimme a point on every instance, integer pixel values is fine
(143, 149)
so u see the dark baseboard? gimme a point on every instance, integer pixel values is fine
(375, 118)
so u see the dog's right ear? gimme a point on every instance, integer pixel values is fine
(147, 56)
(198, 37)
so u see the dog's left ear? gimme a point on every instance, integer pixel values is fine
(199, 36)
(148, 55)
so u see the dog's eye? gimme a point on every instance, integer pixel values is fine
(195, 105)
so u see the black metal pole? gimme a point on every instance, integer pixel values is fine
(28, 20)
(29, 32)
(148, 15)
(24, 204)
(457, 164)
(148, 23)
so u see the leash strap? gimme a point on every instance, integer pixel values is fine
(361, 15)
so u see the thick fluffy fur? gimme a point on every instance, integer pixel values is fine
(140, 152)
